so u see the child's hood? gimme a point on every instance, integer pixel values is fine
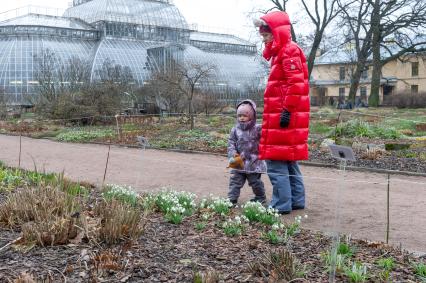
(251, 103)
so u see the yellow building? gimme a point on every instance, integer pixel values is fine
(331, 76)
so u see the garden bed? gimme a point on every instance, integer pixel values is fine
(171, 237)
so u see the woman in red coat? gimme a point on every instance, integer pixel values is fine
(285, 126)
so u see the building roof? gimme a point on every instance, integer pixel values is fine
(216, 37)
(347, 53)
(145, 12)
(46, 21)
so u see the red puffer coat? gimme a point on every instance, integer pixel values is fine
(287, 88)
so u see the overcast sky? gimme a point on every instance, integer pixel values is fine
(230, 16)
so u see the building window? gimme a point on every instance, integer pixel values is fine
(363, 92)
(414, 69)
(341, 92)
(342, 73)
(414, 89)
(364, 74)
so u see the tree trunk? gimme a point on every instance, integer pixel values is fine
(356, 78)
(374, 98)
(313, 53)
(190, 110)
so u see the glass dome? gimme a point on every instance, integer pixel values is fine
(140, 12)
(141, 35)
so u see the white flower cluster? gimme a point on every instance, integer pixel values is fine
(237, 221)
(176, 202)
(260, 209)
(219, 202)
(298, 219)
(113, 189)
(278, 226)
(178, 209)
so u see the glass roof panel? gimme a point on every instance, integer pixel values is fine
(236, 69)
(216, 37)
(144, 12)
(132, 54)
(46, 21)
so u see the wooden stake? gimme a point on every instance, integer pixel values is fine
(387, 211)
(20, 149)
(106, 166)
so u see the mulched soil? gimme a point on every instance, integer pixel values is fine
(174, 253)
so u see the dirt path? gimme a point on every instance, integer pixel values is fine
(362, 201)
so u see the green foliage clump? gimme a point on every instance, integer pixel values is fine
(359, 128)
(84, 135)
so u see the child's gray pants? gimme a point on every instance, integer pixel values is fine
(237, 181)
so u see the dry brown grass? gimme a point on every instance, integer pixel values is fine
(279, 266)
(24, 278)
(120, 221)
(44, 213)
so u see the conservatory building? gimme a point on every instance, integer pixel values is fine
(143, 35)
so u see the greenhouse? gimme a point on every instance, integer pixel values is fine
(143, 35)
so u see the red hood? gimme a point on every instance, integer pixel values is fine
(280, 24)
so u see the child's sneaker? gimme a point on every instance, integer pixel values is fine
(234, 202)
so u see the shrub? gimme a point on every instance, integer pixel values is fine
(407, 100)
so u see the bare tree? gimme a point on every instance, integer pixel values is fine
(405, 22)
(185, 78)
(165, 92)
(356, 18)
(115, 74)
(46, 73)
(321, 15)
(330, 10)
(3, 104)
(207, 102)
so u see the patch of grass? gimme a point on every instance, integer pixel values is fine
(200, 226)
(407, 154)
(420, 270)
(85, 134)
(359, 128)
(345, 249)
(358, 273)
(130, 127)
(319, 128)
(47, 134)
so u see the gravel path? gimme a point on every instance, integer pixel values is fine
(362, 196)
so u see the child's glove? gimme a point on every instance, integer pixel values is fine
(285, 119)
(236, 162)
